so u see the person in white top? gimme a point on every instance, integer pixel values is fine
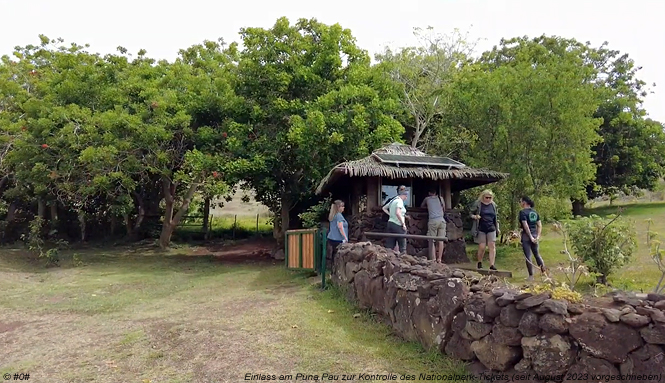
(397, 222)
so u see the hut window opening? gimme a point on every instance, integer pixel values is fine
(389, 190)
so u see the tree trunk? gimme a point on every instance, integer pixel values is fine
(206, 217)
(133, 228)
(578, 207)
(169, 189)
(171, 220)
(128, 226)
(54, 211)
(112, 221)
(81, 217)
(11, 212)
(276, 229)
(41, 208)
(3, 182)
(417, 133)
(285, 216)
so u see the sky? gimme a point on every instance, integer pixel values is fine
(162, 28)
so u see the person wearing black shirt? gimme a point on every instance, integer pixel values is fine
(485, 228)
(531, 229)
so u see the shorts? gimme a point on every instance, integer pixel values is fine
(485, 238)
(436, 229)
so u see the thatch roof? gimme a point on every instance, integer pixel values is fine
(374, 166)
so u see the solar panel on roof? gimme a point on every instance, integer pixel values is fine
(418, 160)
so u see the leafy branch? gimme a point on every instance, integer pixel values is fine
(576, 267)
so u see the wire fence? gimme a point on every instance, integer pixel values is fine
(229, 226)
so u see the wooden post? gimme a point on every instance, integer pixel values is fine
(372, 192)
(357, 190)
(447, 195)
(206, 217)
(235, 223)
(432, 247)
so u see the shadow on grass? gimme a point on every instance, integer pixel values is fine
(130, 259)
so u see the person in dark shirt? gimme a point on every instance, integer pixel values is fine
(485, 228)
(531, 229)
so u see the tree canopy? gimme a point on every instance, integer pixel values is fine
(312, 100)
(122, 140)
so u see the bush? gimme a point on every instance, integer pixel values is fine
(552, 209)
(575, 267)
(604, 244)
(35, 242)
(313, 216)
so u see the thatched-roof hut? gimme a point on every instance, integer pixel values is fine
(366, 183)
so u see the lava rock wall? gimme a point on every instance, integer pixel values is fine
(498, 329)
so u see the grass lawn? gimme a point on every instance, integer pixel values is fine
(640, 274)
(133, 315)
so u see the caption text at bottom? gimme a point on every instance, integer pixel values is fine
(453, 377)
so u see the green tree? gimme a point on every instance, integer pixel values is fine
(423, 74)
(604, 244)
(631, 151)
(532, 113)
(312, 100)
(104, 134)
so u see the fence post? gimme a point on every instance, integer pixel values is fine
(324, 257)
(235, 222)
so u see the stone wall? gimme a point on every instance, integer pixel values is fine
(480, 320)
(376, 221)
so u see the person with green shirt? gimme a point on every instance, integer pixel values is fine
(386, 206)
(397, 222)
(531, 229)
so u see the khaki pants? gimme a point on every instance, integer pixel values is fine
(436, 228)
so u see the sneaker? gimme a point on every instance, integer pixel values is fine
(530, 278)
(543, 269)
(492, 268)
(480, 265)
